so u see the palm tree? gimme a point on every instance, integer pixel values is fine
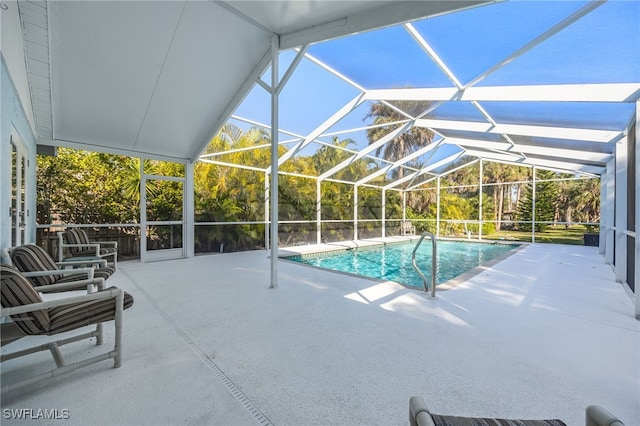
(405, 143)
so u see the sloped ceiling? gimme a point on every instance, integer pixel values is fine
(158, 78)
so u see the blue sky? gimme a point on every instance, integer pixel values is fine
(602, 47)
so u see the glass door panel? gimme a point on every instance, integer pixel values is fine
(163, 217)
(19, 211)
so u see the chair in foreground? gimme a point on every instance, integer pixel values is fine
(419, 415)
(75, 243)
(36, 264)
(31, 316)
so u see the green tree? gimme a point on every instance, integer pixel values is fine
(546, 199)
(72, 188)
(415, 138)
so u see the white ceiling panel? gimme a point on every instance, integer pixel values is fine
(107, 58)
(200, 75)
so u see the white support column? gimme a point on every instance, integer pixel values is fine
(384, 213)
(404, 205)
(355, 212)
(189, 211)
(603, 214)
(610, 175)
(533, 204)
(620, 268)
(480, 202)
(438, 208)
(637, 215)
(143, 212)
(267, 243)
(318, 212)
(275, 125)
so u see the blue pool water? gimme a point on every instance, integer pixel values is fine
(393, 261)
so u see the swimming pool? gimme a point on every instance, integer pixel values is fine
(393, 261)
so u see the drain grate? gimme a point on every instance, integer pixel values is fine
(231, 387)
(237, 393)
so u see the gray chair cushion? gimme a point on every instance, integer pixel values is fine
(476, 421)
(17, 291)
(30, 258)
(77, 236)
(70, 317)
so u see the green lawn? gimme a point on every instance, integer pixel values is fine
(553, 235)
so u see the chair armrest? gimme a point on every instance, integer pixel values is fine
(100, 263)
(89, 281)
(92, 245)
(71, 286)
(88, 271)
(113, 293)
(113, 244)
(419, 413)
(598, 416)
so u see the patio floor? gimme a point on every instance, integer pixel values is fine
(542, 334)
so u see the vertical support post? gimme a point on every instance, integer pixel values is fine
(480, 202)
(533, 204)
(636, 281)
(404, 205)
(610, 220)
(384, 212)
(603, 214)
(143, 212)
(318, 212)
(267, 243)
(355, 212)
(438, 207)
(620, 192)
(275, 51)
(189, 210)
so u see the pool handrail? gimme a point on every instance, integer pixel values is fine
(434, 265)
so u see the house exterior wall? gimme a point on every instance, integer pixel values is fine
(15, 117)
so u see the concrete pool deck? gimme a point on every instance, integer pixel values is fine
(542, 334)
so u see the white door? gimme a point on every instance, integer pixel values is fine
(19, 191)
(162, 213)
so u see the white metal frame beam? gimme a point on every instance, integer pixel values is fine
(560, 154)
(424, 170)
(597, 92)
(342, 112)
(563, 166)
(370, 148)
(400, 162)
(576, 134)
(621, 201)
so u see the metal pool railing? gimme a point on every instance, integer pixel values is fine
(434, 265)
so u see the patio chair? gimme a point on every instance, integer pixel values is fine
(407, 228)
(419, 415)
(75, 243)
(31, 316)
(36, 264)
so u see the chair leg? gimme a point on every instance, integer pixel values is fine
(117, 359)
(57, 355)
(99, 334)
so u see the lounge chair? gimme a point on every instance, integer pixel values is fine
(75, 243)
(31, 316)
(36, 264)
(419, 415)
